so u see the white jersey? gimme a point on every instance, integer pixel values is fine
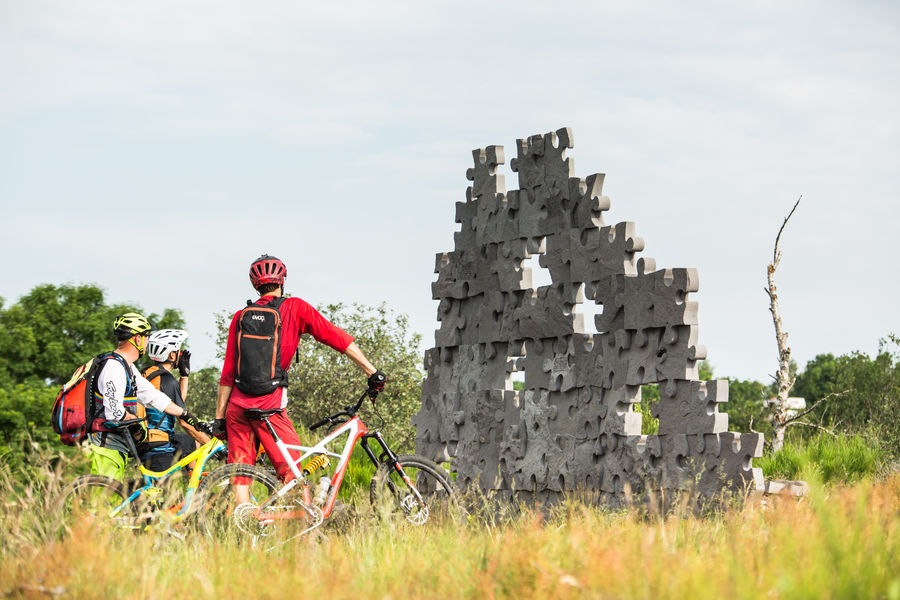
(111, 384)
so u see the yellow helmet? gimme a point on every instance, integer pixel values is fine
(129, 325)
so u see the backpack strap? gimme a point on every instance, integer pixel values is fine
(132, 384)
(153, 372)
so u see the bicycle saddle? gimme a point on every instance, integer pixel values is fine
(258, 414)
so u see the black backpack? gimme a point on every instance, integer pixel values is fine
(258, 366)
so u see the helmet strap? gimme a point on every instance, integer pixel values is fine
(140, 348)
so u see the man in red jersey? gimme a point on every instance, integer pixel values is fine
(262, 339)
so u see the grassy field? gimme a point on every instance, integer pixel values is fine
(840, 542)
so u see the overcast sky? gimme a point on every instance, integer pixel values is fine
(156, 148)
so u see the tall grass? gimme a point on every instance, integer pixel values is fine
(841, 458)
(836, 543)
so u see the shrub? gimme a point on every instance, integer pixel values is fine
(843, 458)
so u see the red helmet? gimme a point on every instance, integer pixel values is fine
(267, 269)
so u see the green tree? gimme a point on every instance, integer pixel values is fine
(858, 393)
(52, 330)
(44, 337)
(204, 386)
(324, 380)
(747, 406)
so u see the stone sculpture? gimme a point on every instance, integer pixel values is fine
(573, 426)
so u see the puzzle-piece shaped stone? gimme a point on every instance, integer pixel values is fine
(674, 467)
(658, 299)
(561, 366)
(574, 424)
(465, 216)
(736, 454)
(539, 316)
(533, 466)
(486, 181)
(456, 275)
(629, 466)
(541, 160)
(586, 203)
(478, 453)
(692, 408)
(530, 211)
(452, 322)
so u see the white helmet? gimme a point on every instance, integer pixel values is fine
(164, 341)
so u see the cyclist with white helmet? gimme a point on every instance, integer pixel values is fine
(124, 394)
(162, 445)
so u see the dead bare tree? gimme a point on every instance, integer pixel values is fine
(784, 380)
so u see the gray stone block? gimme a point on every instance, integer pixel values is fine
(573, 425)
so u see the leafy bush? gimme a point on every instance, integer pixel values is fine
(866, 392)
(323, 380)
(844, 458)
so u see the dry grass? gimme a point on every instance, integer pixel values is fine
(841, 542)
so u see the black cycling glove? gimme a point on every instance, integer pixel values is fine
(218, 427)
(191, 420)
(184, 363)
(376, 383)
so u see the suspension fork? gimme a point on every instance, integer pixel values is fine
(391, 458)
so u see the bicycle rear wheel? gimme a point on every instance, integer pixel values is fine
(94, 496)
(266, 521)
(420, 493)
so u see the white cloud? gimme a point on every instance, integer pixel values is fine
(353, 123)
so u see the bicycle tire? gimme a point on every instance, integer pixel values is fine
(93, 495)
(392, 498)
(222, 518)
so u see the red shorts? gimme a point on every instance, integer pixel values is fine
(244, 436)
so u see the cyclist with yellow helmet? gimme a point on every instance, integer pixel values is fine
(123, 393)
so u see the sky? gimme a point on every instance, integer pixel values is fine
(155, 149)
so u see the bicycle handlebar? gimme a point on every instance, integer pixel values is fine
(349, 411)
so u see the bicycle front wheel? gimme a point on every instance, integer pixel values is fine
(419, 491)
(93, 496)
(265, 520)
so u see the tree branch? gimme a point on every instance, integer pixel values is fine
(751, 425)
(814, 426)
(775, 257)
(815, 404)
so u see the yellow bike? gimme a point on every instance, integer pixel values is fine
(141, 504)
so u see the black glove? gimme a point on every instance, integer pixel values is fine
(190, 419)
(218, 427)
(184, 363)
(376, 383)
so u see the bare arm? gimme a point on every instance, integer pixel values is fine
(183, 385)
(359, 358)
(222, 400)
(199, 436)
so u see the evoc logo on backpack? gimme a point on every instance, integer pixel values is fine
(258, 366)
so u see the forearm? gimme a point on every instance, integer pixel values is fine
(174, 410)
(183, 385)
(356, 355)
(199, 436)
(222, 400)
